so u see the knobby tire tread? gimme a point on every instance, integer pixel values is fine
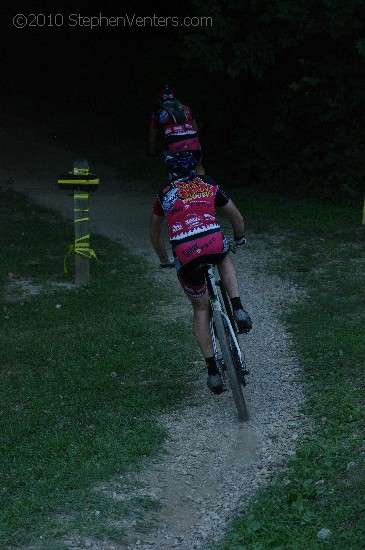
(229, 313)
(233, 376)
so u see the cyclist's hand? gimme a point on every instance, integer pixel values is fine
(241, 241)
(169, 264)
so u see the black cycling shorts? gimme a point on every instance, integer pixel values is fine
(191, 276)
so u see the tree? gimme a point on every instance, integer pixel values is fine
(298, 69)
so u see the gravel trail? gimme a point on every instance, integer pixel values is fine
(211, 464)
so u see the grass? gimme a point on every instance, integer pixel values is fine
(76, 410)
(79, 397)
(323, 485)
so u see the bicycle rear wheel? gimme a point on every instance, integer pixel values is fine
(233, 375)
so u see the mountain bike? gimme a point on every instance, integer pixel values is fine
(230, 357)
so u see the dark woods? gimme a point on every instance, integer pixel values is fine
(277, 87)
(287, 108)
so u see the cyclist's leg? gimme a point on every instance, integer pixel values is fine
(201, 322)
(204, 338)
(192, 281)
(227, 272)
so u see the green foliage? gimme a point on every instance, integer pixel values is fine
(293, 91)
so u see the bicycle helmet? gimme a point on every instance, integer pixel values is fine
(181, 163)
(167, 92)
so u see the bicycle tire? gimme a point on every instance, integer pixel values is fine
(233, 376)
(240, 364)
(227, 306)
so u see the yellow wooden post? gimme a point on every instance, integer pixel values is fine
(82, 237)
(81, 181)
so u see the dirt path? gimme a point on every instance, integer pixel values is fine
(211, 463)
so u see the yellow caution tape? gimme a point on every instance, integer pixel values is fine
(81, 244)
(81, 248)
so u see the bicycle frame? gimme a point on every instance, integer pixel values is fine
(230, 360)
(215, 304)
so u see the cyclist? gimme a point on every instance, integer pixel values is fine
(187, 202)
(178, 126)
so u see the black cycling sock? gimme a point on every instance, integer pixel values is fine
(212, 366)
(236, 303)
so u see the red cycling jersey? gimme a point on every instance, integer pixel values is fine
(178, 136)
(188, 206)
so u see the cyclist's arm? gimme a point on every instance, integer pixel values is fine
(234, 215)
(157, 237)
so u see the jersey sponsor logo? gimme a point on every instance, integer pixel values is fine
(175, 209)
(198, 247)
(194, 189)
(176, 129)
(164, 115)
(195, 231)
(179, 130)
(199, 204)
(169, 199)
(209, 243)
(194, 221)
(191, 249)
(177, 227)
